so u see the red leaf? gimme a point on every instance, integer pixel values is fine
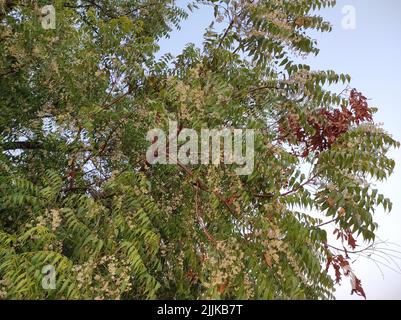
(357, 287)
(351, 241)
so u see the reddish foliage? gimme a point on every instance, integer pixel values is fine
(351, 241)
(231, 199)
(328, 125)
(338, 262)
(221, 288)
(357, 287)
(346, 236)
(360, 107)
(341, 267)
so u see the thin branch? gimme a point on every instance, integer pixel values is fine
(200, 221)
(325, 223)
(351, 252)
(299, 187)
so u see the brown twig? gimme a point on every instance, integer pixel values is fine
(201, 223)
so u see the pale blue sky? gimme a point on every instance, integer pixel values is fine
(371, 54)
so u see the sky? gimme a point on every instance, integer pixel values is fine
(371, 54)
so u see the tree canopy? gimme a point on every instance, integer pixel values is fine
(77, 193)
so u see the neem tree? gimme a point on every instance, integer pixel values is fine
(77, 193)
